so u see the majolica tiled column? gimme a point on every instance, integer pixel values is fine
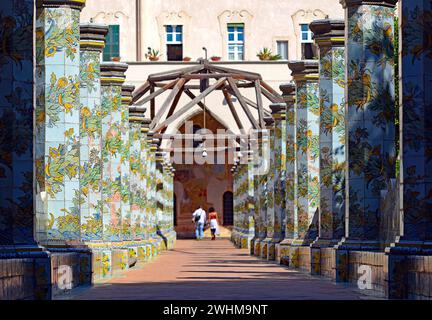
(92, 42)
(290, 221)
(250, 203)
(17, 195)
(112, 78)
(415, 18)
(268, 192)
(136, 117)
(159, 192)
(260, 204)
(58, 121)
(305, 74)
(279, 169)
(329, 37)
(369, 97)
(125, 163)
(234, 234)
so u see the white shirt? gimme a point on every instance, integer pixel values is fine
(202, 215)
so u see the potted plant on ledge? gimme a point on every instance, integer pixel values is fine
(266, 55)
(153, 55)
(215, 58)
(187, 59)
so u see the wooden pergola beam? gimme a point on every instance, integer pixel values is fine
(142, 90)
(178, 86)
(203, 106)
(259, 103)
(219, 75)
(233, 110)
(243, 104)
(173, 74)
(156, 93)
(183, 110)
(270, 93)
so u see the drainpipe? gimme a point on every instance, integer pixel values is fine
(138, 30)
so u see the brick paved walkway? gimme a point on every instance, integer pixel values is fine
(215, 270)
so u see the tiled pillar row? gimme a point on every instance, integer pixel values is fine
(290, 221)
(305, 74)
(57, 140)
(92, 42)
(278, 169)
(112, 78)
(329, 37)
(268, 193)
(415, 19)
(125, 163)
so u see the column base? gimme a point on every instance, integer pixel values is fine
(282, 251)
(265, 247)
(25, 273)
(409, 270)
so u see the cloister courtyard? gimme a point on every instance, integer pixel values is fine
(303, 127)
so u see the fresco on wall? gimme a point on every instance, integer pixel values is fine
(197, 184)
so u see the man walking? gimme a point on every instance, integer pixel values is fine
(199, 217)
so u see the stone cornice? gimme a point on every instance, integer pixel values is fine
(127, 91)
(278, 110)
(352, 3)
(304, 70)
(113, 73)
(92, 36)
(288, 93)
(75, 4)
(136, 114)
(269, 122)
(328, 32)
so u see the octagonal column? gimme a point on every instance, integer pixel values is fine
(305, 74)
(260, 179)
(125, 163)
(92, 42)
(57, 149)
(136, 117)
(250, 203)
(112, 78)
(408, 256)
(18, 199)
(370, 98)
(329, 37)
(279, 172)
(268, 192)
(290, 222)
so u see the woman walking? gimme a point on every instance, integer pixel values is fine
(214, 227)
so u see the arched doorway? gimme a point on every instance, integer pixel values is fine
(228, 209)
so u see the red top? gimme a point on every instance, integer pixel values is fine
(212, 215)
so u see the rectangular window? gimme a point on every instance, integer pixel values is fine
(309, 50)
(236, 41)
(112, 46)
(306, 34)
(282, 49)
(174, 41)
